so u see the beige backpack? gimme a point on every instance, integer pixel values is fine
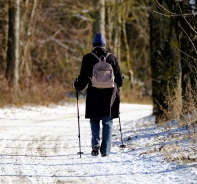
(102, 74)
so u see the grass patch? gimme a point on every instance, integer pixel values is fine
(38, 93)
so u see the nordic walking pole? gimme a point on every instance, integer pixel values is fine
(122, 145)
(78, 126)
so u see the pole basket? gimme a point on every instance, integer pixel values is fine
(79, 153)
(122, 146)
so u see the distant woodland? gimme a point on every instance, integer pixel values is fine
(155, 41)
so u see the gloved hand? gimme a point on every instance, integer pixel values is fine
(77, 85)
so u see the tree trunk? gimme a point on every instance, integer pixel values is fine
(3, 33)
(99, 24)
(165, 64)
(128, 57)
(12, 72)
(186, 32)
(27, 25)
(110, 25)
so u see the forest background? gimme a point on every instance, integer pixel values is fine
(43, 42)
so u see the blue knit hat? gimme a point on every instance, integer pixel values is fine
(99, 40)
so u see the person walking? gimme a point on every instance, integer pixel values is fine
(102, 104)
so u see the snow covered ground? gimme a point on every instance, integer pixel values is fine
(39, 145)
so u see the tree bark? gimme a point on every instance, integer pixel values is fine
(99, 24)
(27, 25)
(125, 13)
(4, 34)
(165, 64)
(12, 72)
(186, 33)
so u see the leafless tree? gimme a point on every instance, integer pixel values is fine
(3, 35)
(12, 71)
(99, 23)
(173, 51)
(53, 35)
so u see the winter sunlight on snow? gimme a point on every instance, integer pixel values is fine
(40, 145)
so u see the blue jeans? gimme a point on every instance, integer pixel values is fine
(107, 123)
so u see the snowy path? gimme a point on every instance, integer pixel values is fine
(39, 145)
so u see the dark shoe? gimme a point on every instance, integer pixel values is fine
(104, 155)
(95, 150)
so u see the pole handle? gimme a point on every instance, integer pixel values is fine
(77, 95)
(77, 91)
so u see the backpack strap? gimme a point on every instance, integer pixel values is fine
(101, 56)
(107, 55)
(95, 55)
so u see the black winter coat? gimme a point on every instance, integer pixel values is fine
(100, 102)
